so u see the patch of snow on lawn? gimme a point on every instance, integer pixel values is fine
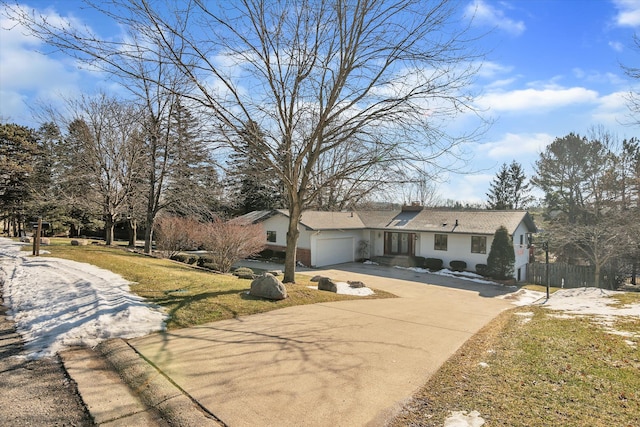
(523, 297)
(345, 289)
(461, 419)
(57, 303)
(596, 303)
(590, 301)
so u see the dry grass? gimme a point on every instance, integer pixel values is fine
(542, 372)
(191, 296)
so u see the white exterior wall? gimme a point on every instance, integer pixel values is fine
(376, 244)
(521, 250)
(279, 224)
(458, 249)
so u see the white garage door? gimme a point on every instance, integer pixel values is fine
(334, 251)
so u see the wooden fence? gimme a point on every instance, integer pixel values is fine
(568, 276)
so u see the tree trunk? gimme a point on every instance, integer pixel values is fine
(597, 276)
(109, 225)
(148, 232)
(133, 232)
(295, 212)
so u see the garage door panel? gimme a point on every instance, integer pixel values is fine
(334, 251)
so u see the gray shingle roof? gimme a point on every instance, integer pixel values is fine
(434, 220)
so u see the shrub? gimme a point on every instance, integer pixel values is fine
(174, 234)
(417, 261)
(266, 253)
(458, 265)
(180, 257)
(433, 263)
(482, 269)
(502, 258)
(210, 266)
(228, 242)
(204, 260)
(244, 273)
(193, 259)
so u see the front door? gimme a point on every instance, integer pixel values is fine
(399, 243)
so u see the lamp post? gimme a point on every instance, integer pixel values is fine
(545, 246)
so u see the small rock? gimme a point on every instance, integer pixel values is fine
(79, 242)
(326, 284)
(275, 272)
(356, 284)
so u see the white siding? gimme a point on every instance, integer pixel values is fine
(279, 224)
(521, 250)
(458, 249)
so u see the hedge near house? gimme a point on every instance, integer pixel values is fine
(502, 258)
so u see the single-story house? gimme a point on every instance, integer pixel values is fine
(328, 238)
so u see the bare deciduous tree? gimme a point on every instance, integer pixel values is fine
(227, 242)
(175, 234)
(318, 76)
(380, 75)
(107, 138)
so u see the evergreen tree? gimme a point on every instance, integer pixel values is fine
(509, 189)
(253, 183)
(499, 190)
(501, 259)
(194, 188)
(18, 151)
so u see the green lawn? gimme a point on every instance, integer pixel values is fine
(190, 296)
(546, 371)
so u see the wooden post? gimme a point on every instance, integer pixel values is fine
(36, 245)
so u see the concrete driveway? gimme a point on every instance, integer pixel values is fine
(349, 363)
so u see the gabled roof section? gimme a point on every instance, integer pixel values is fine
(432, 220)
(255, 217)
(478, 222)
(321, 220)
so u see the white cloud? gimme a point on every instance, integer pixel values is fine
(613, 111)
(485, 14)
(535, 100)
(490, 69)
(28, 76)
(617, 46)
(515, 146)
(628, 13)
(468, 188)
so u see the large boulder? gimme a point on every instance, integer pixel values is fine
(268, 286)
(79, 242)
(326, 284)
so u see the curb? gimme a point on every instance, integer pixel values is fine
(154, 388)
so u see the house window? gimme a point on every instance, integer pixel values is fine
(271, 236)
(521, 239)
(478, 244)
(440, 242)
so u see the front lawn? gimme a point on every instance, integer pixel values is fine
(535, 367)
(190, 296)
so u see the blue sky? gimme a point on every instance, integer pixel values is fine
(552, 67)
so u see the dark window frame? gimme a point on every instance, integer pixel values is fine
(440, 242)
(478, 244)
(271, 236)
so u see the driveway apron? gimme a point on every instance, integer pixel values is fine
(348, 363)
